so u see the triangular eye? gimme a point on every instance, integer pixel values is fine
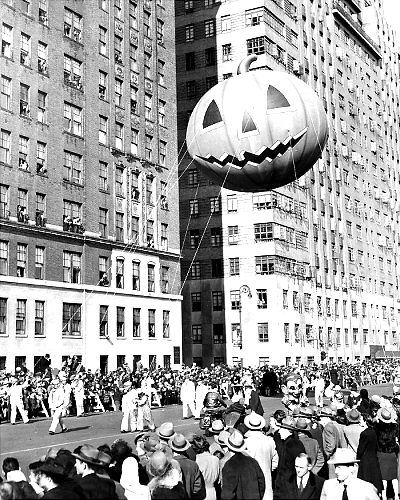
(276, 99)
(212, 115)
(248, 124)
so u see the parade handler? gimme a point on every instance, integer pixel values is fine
(57, 401)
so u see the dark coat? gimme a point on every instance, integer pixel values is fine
(255, 403)
(291, 448)
(176, 493)
(368, 468)
(97, 487)
(192, 478)
(61, 492)
(242, 479)
(312, 490)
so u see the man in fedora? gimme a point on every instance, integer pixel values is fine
(346, 485)
(303, 484)
(87, 464)
(192, 478)
(310, 444)
(354, 428)
(332, 435)
(51, 476)
(261, 448)
(242, 477)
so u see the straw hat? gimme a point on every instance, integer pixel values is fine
(179, 443)
(235, 441)
(222, 437)
(166, 431)
(254, 421)
(302, 424)
(216, 427)
(353, 416)
(343, 456)
(386, 416)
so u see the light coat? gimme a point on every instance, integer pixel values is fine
(357, 489)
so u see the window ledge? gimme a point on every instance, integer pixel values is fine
(72, 337)
(73, 135)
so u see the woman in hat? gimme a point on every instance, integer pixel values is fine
(208, 465)
(386, 429)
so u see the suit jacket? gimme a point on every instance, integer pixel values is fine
(333, 438)
(192, 478)
(97, 487)
(357, 489)
(312, 490)
(262, 448)
(242, 479)
(313, 451)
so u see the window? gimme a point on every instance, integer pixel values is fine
(164, 279)
(256, 45)
(72, 72)
(103, 130)
(6, 40)
(24, 100)
(135, 275)
(42, 107)
(147, 24)
(151, 278)
(103, 321)
(136, 322)
(161, 72)
(148, 104)
(161, 113)
(39, 318)
(3, 258)
(20, 318)
(263, 332)
(103, 175)
(254, 17)
(132, 14)
(194, 208)
(5, 149)
(210, 55)
(196, 301)
(233, 235)
(43, 19)
(226, 23)
(118, 49)
(150, 233)
(103, 222)
(102, 41)
(72, 216)
(234, 266)
(286, 333)
(196, 334)
(103, 270)
(216, 236)
(215, 205)
(135, 229)
(71, 267)
(209, 28)
(218, 333)
(265, 264)
(118, 9)
(189, 33)
(285, 304)
(160, 31)
(73, 165)
(42, 58)
(262, 299)
(236, 335)
(193, 178)
(235, 299)
(25, 53)
(120, 321)
(103, 85)
(72, 25)
(162, 153)
(119, 136)
(263, 232)
(166, 324)
(5, 99)
(195, 270)
(134, 142)
(217, 268)
(119, 273)
(41, 157)
(39, 263)
(22, 256)
(73, 119)
(217, 300)
(354, 308)
(3, 316)
(227, 52)
(152, 323)
(190, 61)
(148, 147)
(23, 152)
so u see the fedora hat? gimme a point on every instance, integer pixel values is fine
(302, 424)
(179, 443)
(217, 426)
(222, 437)
(343, 456)
(353, 416)
(235, 441)
(327, 412)
(254, 421)
(386, 416)
(304, 412)
(104, 459)
(287, 423)
(88, 454)
(52, 467)
(166, 431)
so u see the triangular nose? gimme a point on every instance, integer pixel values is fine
(248, 124)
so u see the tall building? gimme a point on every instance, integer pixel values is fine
(89, 244)
(311, 270)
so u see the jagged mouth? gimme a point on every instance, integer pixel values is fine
(244, 158)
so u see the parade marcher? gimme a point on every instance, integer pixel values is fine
(78, 389)
(16, 400)
(144, 415)
(129, 408)
(192, 477)
(261, 448)
(346, 484)
(57, 397)
(319, 388)
(200, 393)
(242, 477)
(303, 484)
(67, 392)
(188, 397)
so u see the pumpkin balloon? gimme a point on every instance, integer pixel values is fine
(258, 130)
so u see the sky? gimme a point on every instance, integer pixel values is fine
(392, 13)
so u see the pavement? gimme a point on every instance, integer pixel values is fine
(28, 442)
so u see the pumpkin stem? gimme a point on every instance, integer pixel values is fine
(244, 64)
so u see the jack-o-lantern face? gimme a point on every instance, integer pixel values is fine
(257, 131)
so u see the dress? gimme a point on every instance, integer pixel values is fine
(209, 467)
